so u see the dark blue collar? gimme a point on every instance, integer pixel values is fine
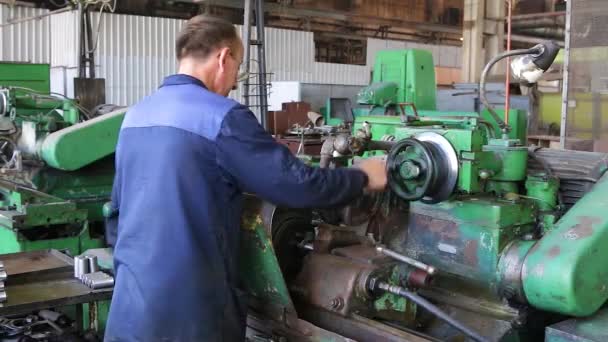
(178, 79)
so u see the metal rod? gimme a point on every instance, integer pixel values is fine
(89, 52)
(80, 42)
(427, 268)
(261, 61)
(247, 52)
(507, 69)
(565, 79)
(482, 83)
(432, 308)
(17, 21)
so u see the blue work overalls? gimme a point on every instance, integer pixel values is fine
(185, 156)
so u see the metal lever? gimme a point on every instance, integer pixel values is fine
(427, 268)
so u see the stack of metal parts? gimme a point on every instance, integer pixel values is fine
(87, 270)
(2, 280)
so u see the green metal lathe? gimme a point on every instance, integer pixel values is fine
(480, 238)
(56, 173)
(56, 164)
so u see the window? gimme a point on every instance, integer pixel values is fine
(341, 50)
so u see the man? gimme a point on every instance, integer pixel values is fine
(184, 157)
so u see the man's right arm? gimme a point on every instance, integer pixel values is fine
(262, 166)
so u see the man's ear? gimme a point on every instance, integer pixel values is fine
(223, 57)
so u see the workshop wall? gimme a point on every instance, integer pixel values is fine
(27, 41)
(135, 53)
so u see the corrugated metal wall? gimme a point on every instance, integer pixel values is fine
(135, 53)
(27, 41)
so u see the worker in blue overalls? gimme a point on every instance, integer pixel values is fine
(185, 156)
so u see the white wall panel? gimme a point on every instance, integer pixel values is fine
(134, 54)
(25, 41)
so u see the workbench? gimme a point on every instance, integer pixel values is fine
(44, 279)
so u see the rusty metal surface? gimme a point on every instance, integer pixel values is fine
(43, 279)
(329, 237)
(310, 146)
(333, 283)
(36, 261)
(364, 254)
(291, 113)
(262, 328)
(359, 328)
(29, 297)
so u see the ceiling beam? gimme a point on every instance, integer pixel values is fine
(278, 9)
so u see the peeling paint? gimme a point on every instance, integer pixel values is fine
(582, 229)
(554, 251)
(470, 253)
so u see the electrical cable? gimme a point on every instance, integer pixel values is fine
(432, 308)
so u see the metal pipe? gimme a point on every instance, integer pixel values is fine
(376, 145)
(81, 71)
(507, 69)
(543, 32)
(17, 21)
(566, 79)
(482, 83)
(261, 62)
(427, 268)
(246, 54)
(539, 15)
(432, 308)
(530, 40)
(89, 52)
(535, 23)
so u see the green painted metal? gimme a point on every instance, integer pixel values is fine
(513, 159)
(543, 189)
(33, 76)
(81, 144)
(501, 188)
(518, 120)
(565, 272)
(391, 307)
(13, 242)
(588, 329)
(466, 237)
(258, 263)
(379, 94)
(413, 72)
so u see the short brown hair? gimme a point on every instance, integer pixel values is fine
(202, 35)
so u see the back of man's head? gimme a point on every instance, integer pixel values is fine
(202, 35)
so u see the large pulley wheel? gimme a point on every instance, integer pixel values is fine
(423, 168)
(410, 169)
